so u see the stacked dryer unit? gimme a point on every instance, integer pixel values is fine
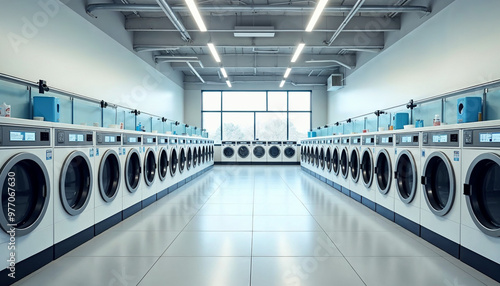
(384, 160)
(356, 186)
(243, 153)
(149, 161)
(259, 152)
(164, 180)
(132, 168)
(274, 152)
(406, 178)
(26, 176)
(290, 152)
(367, 170)
(228, 152)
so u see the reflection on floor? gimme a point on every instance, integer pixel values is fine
(260, 226)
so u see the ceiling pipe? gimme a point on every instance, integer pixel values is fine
(297, 9)
(344, 23)
(195, 72)
(330, 61)
(307, 84)
(176, 22)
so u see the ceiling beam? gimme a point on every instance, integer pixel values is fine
(299, 79)
(280, 24)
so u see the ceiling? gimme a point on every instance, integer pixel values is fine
(361, 29)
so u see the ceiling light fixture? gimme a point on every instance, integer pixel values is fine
(196, 15)
(316, 14)
(214, 52)
(254, 31)
(228, 83)
(223, 71)
(287, 72)
(297, 52)
(282, 83)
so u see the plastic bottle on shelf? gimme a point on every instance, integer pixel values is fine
(437, 120)
(5, 110)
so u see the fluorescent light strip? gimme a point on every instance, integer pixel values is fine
(316, 14)
(214, 52)
(196, 15)
(282, 83)
(228, 83)
(297, 52)
(287, 72)
(224, 73)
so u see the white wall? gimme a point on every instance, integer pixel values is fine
(192, 99)
(47, 40)
(455, 49)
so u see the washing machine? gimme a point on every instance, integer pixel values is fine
(243, 155)
(328, 161)
(406, 177)
(259, 152)
(315, 155)
(368, 188)
(344, 165)
(384, 160)
(321, 159)
(356, 185)
(335, 174)
(132, 167)
(200, 154)
(191, 145)
(173, 163)
(274, 152)
(228, 152)
(440, 184)
(196, 145)
(149, 169)
(480, 204)
(27, 199)
(164, 180)
(212, 152)
(108, 180)
(181, 170)
(290, 150)
(207, 153)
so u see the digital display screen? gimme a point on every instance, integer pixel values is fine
(149, 140)
(406, 139)
(489, 137)
(75, 137)
(385, 139)
(356, 140)
(22, 136)
(182, 141)
(345, 141)
(109, 139)
(368, 140)
(440, 138)
(132, 140)
(162, 140)
(173, 141)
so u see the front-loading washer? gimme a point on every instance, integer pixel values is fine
(322, 169)
(344, 165)
(274, 152)
(406, 178)
(189, 159)
(173, 163)
(244, 148)
(328, 161)
(259, 152)
(207, 153)
(480, 205)
(164, 180)
(27, 215)
(228, 152)
(132, 168)
(74, 188)
(290, 152)
(108, 179)
(335, 173)
(196, 145)
(182, 152)
(356, 186)
(384, 160)
(211, 153)
(367, 188)
(149, 169)
(440, 182)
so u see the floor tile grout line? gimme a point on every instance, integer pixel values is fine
(251, 242)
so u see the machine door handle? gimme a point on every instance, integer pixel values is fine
(467, 189)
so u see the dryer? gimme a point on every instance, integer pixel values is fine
(344, 165)
(108, 180)
(181, 170)
(367, 170)
(384, 160)
(406, 178)
(149, 168)
(356, 185)
(243, 154)
(259, 152)
(228, 152)
(132, 168)
(27, 181)
(440, 183)
(164, 180)
(74, 189)
(290, 151)
(480, 205)
(274, 152)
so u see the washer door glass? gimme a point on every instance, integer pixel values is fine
(109, 175)
(206, 154)
(383, 170)
(438, 183)
(76, 183)
(199, 156)
(308, 154)
(289, 152)
(163, 164)
(182, 160)
(344, 163)
(322, 158)
(328, 159)
(189, 159)
(259, 152)
(354, 165)
(149, 167)
(482, 190)
(243, 151)
(25, 183)
(406, 176)
(195, 156)
(367, 168)
(173, 162)
(335, 161)
(274, 152)
(133, 170)
(316, 156)
(228, 152)
(204, 151)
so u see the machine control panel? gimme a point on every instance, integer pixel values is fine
(482, 137)
(274, 143)
(443, 138)
(243, 142)
(258, 143)
(173, 141)
(408, 139)
(228, 143)
(149, 140)
(108, 139)
(355, 140)
(24, 136)
(368, 140)
(345, 141)
(163, 140)
(74, 138)
(129, 139)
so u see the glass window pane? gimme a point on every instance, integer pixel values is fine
(211, 100)
(299, 124)
(244, 101)
(299, 101)
(237, 125)
(276, 101)
(270, 126)
(211, 122)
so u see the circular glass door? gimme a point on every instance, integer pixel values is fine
(162, 164)
(383, 170)
(344, 163)
(438, 183)
(109, 175)
(259, 151)
(274, 152)
(367, 167)
(302, 154)
(207, 154)
(335, 161)
(406, 176)
(328, 159)
(199, 156)
(27, 175)
(482, 189)
(189, 159)
(173, 162)
(149, 166)
(316, 157)
(132, 170)
(228, 152)
(243, 151)
(322, 158)
(75, 185)
(195, 157)
(308, 154)
(182, 160)
(354, 164)
(289, 152)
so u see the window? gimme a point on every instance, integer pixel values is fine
(250, 115)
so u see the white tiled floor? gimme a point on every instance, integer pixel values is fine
(259, 226)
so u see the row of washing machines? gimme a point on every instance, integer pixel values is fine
(260, 152)
(64, 184)
(441, 183)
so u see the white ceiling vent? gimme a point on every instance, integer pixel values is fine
(335, 82)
